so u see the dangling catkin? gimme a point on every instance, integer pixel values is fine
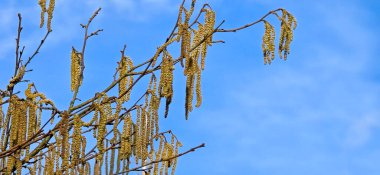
(75, 69)
(104, 111)
(179, 24)
(158, 156)
(125, 65)
(166, 82)
(42, 4)
(209, 25)
(268, 43)
(288, 24)
(76, 139)
(189, 95)
(50, 13)
(1, 114)
(177, 145)
(65, 140)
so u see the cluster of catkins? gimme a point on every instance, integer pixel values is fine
(288, 24)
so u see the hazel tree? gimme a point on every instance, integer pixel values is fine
(38, 137)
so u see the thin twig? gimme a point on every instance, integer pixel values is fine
(167, 159)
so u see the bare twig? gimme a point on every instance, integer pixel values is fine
(167, 159)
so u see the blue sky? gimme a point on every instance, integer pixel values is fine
(317, 113)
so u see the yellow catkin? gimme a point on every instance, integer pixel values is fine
(87, 169)
(177, 145)
(125, 65)
(75, 69)
(142, 136)
(130, 83)
(268, 43)
(50, 13)
(58, 151)
(186, 37)
(49, 161)
(149, 118)
(118, 160)
(192, 7)
(198, 89)
(179, 24)
(189, 95)
(136, 140)
(42, 4)
(55, 158)
(83, 153)
(17, 111)
(166, 80)
(209, 25)
(1, 114)
(22, 126)
(158, 156)
(112, 160)
(76, 139)
(164, 156)
(32, 109)
(288, 24)
(105, 112)
(17, 78)
(125, 144)
(123, 70)
(155, 104)
(192, 68)
(102, 129)
(203, 47)
(65, 141)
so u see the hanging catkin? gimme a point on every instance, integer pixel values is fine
(125, 65)
(1, 115)
(268, 43)
(50, 13)
(42, 4)
(288, 24)
(76, 139)
(75, 69)
(65, 141)
(209, 25)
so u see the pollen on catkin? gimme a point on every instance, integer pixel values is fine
(186, 37)
(1, 114)
(268, 43)
(50, 13)
(198, 89)
(189, 95)
(209, 25)
(166, 78)
(75, 69)
(64, 132)
(179, 24)
(17, 78)
(125, 144)
(158, 156)
(76, 139)
(105, 110)
(125, 65)
(203, 55)
(14, 102)
(42, 4)
(288, 24)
